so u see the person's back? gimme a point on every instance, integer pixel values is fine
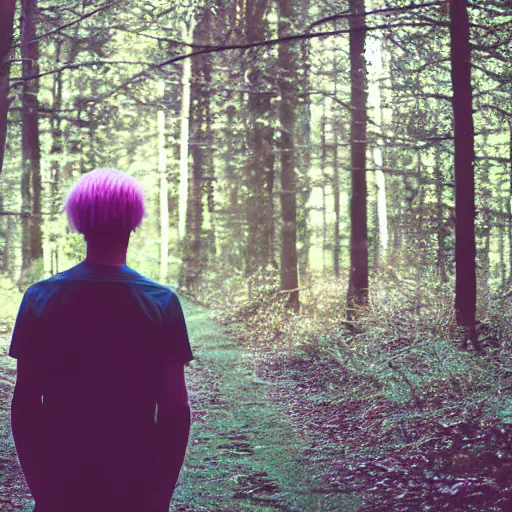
(102, 345)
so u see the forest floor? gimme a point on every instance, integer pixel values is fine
(244, 452)
(275, 431)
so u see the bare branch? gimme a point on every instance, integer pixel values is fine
(77, 65)
(246, 46)
(74, 22)
(489, 73)
(348, 14)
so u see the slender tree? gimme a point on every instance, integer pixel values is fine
(508, 207)
(303, 126)
(441, 231)
(375, 98)
(31, 170)
(465, 249)
(358, 280)
(164, 199)
(288, 90)
(194, 248)
(6, 30)
(336, 127)
(187, 31)
(260, 139)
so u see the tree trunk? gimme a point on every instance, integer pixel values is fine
(194, 256)
(465, 250)
(441, 227)
(336, 170)
(503, 264)
(31, 173)
(303, 126)
(260, 138)
(358, 279)
(374, 97)
(509, 204)
(210, 181)
(288, 91)
(485, 231)
(164, 199)
(323, 164)
(6, 31)
(185, 132)
(232, 254)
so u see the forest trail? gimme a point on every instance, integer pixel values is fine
(243, 453)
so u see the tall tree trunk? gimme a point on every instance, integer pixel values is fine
(185, 134)
(323, 164)
(31, 173)
(336, 169)
(303, 126)
(441, 227)
(465, 250)
(374, 97)
(260, 163)
(194, 257)
(358, 280)
(502, 265)
(509, 203)
(210, 180)
(288, 90)
(56, 163)
(232, 253)
(164, 198)
(486, 229)
(6, 30)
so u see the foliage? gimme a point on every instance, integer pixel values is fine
(11, 298)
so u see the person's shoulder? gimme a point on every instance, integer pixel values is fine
(140, 279)
(51, 281)
(40, 292)
(159, 292)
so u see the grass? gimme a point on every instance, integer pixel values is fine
(243, 453)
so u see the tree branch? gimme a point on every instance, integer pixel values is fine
(74, 22)
(348, 14)
(77, 65)
(246, 46)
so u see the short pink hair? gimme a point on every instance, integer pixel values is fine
(105, 201)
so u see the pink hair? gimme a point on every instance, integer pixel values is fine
(105, 200)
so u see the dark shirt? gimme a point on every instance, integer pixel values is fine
(99, 337)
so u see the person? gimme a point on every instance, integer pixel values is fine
(100, 412)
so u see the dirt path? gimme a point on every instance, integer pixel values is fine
(243, 453)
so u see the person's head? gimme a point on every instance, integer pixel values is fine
(105, 205)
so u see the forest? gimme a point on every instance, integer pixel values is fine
(328, 186)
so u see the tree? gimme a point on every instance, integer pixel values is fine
(288, 91)
(194, 257)
(6, 31)
(31, 169)
(187, 31)
(358, 279)
(374, 94)
(465, 249)
(164, 200)
(260, 141)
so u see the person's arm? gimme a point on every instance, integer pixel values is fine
(172, 432)
(27, 426)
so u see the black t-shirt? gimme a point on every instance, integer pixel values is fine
(99, 337)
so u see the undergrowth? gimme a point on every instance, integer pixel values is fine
(442, 413)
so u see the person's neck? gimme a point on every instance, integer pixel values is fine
(104, 254)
